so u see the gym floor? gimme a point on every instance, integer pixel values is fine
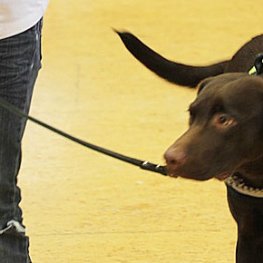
(80, 206)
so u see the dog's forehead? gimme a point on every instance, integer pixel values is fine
(231, 83)
(219, 81)
(233, 88)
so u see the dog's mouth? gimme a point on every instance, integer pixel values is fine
(223, 176)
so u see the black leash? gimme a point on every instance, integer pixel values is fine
(145, 165)
(257, 69)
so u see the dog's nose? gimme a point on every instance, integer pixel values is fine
(174, 158)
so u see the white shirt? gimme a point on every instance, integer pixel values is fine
(17, 16)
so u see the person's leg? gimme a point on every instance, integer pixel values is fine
(20, 61)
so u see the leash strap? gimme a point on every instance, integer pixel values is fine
(145, 165)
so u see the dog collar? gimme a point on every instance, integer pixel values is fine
(257, 69)
(239, 185)
(252, 71)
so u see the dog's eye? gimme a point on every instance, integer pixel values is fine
(223, 120)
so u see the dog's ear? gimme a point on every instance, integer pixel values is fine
(202, 85)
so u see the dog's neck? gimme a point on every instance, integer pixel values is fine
(252, 173)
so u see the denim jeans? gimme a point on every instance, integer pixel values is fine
(20, 61)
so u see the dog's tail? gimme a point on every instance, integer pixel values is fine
(181, 74)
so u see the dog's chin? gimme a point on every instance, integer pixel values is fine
(193, 176)
(199, 176)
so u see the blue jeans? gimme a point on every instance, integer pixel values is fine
(20, 61)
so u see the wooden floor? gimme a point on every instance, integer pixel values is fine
(80, 206)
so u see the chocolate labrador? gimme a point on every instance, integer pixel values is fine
(225, 135)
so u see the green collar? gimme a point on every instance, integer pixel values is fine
(257, 69)
(252, 71)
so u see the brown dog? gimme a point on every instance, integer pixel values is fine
(225, 135)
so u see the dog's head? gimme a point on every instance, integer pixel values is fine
(225, 128)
